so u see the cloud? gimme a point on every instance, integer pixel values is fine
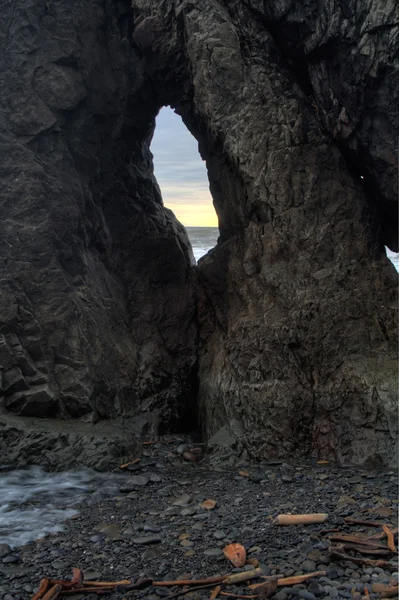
(180, 171)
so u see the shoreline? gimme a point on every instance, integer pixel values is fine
(155, 526)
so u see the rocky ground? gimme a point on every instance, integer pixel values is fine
(155, 526)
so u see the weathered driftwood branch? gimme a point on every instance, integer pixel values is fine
(53, 592)
(185, 591)
(359, 540)
(380, 536)
(336, 552)
(290, 580)
(300, 519)
(360, 522)
(215, 592)
(390, 538)
(366, 550)
(241, 577)
(107, 583)
(44, 584)
(216, 579)
(244, 596)
(386, 591)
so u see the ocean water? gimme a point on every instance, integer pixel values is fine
(34, 503)
(394, 258)
(202, 239)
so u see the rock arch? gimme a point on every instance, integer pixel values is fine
(289, 327)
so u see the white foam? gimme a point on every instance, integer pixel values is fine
(34, 503)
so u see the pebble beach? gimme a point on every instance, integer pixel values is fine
(152, 523)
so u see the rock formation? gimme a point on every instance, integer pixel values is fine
(288, 327)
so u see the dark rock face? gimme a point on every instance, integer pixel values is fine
(97, 309)
(296, 305)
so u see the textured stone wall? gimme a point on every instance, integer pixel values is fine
(96, 306)
(289, 328)
(297, 305)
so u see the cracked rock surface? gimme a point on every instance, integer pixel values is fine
(289, 326)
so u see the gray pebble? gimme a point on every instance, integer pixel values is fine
(333, 592)
(315, 588)
(10, 558)
(280, 596)
(4, 550)
(152, 528)
(188, 512)
(59, 564)
(97, 538)
(92, 575)
(151, 539)
(213, 552)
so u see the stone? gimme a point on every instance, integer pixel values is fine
(97, 538)
(4, 550)
(59, 564)
(213, 552)
(183, 500)
(187, 512)
(111, 530)
(280, 596)
(315, 588)
(355, 479)
(148, 540)
(10, 558)
(92, 575)
(151, 528)
(108, 330)
(134, 481)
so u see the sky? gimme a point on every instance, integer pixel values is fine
(181, 172)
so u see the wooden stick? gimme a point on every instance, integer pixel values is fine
(360, 561)
(53, 592)
(244, 576)
(355, 539)
(291, 580)
(360, 522)
(367, 550)
(189, 590)
(391, 541)
(215, 592)
(106, 583)
(217, 579)
(44, 584)
(380, 536)
(77, 577)
(237, 595)
(387, 591)
(132, 462)
(85, 590)
(300, 519)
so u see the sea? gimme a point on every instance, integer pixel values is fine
(34, 503)
(204, 239)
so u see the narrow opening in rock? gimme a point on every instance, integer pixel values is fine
(182, 177)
